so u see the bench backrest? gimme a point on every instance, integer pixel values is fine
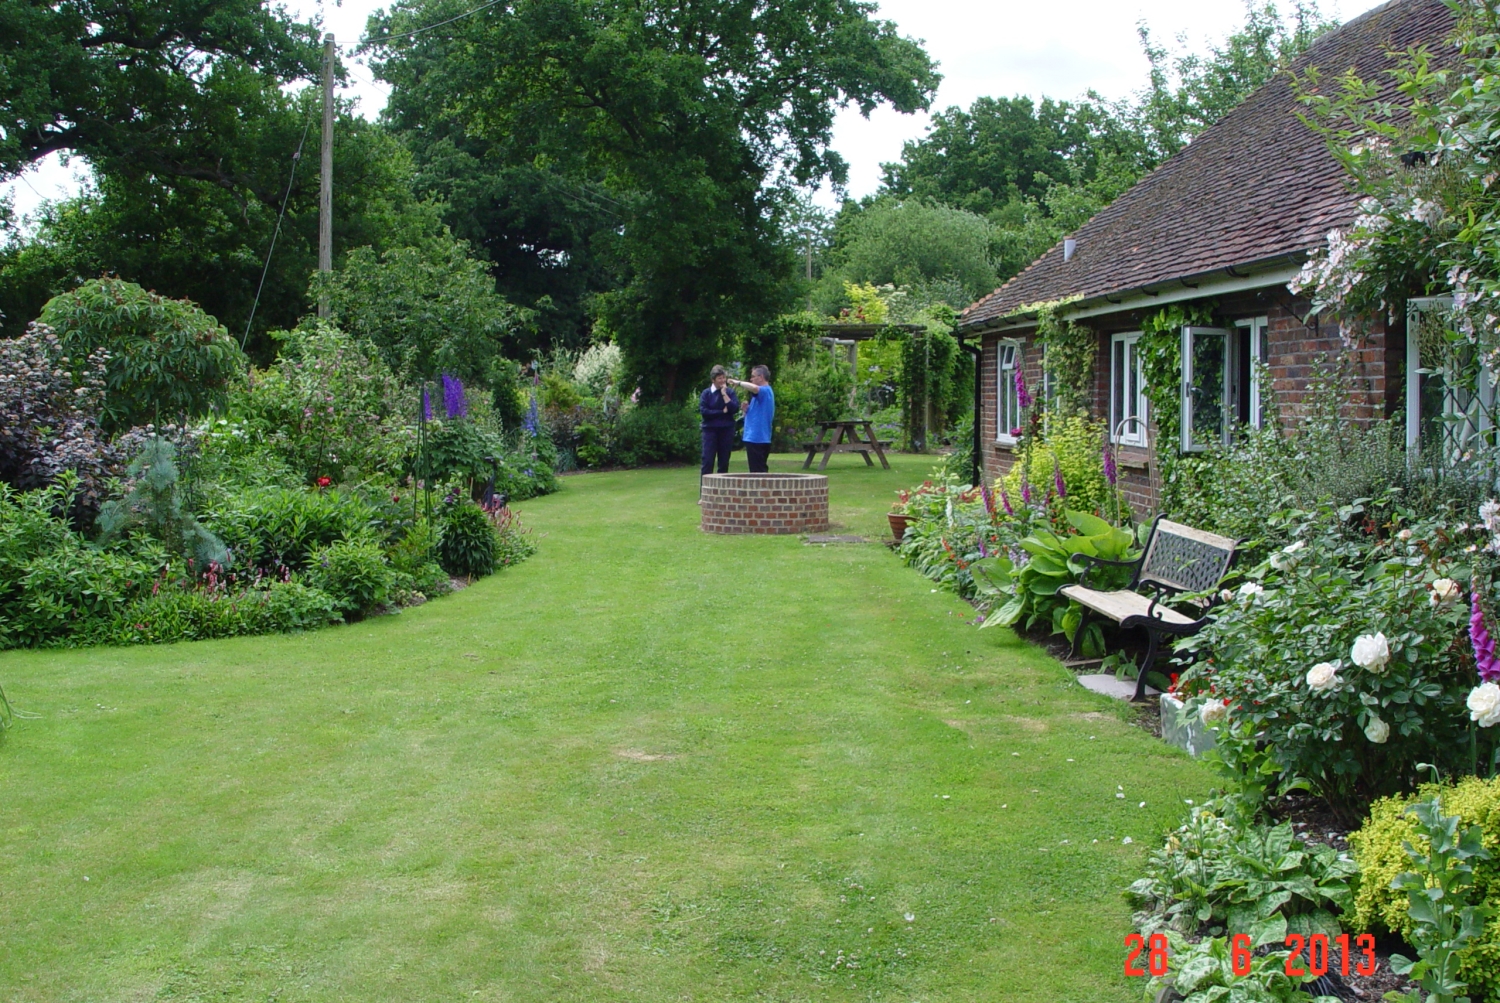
(1185, 558)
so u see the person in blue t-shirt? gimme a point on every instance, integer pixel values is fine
(760, 408)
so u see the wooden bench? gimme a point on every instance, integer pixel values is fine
(1177, 559)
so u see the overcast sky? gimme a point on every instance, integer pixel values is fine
(1060, 49)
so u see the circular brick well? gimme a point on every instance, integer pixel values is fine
(765, 503)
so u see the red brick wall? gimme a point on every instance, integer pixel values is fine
(764, 503)
(1373, 376)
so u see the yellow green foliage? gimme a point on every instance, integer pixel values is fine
(1076, 444)
(1377, 850)
(865, 304)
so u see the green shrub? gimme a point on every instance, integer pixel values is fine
(1072, 447)
(1222, 872)
(167, 358)
(328, 407)
(1360, 732)
(1378, 851)
(68, 592)
(177, 614)
(272, 528)
(657, 433)
(354, 573)
(466, 539)
(807, 392)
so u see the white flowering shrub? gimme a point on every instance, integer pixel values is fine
(599, 368)
(1351, 662)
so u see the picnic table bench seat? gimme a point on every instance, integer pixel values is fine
(1178, 559)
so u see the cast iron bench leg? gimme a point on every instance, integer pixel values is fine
(1078, 634)
(1146, 663)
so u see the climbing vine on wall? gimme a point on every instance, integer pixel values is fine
(1161, 365)
(1069, 350)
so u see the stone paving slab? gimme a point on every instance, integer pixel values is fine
(1106, 683)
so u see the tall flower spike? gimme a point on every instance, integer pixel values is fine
(1023, 396)
(1110, 474)
(989, 498)
(531, 422)
(1057, 478)
(453, 396)
(1005, 500)
(1484, 646)
(426, 404)
(1025, 491)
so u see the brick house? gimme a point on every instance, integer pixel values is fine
(1227, 222)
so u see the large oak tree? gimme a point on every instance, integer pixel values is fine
(686, 124)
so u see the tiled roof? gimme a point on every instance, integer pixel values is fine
(1256, 186)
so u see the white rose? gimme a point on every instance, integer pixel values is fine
(1489, 514)
(1226, 595)
(1323, 676)
(1404, 535)
(1250, 590)
(1484, 705)
(1444, 590)
(1377, 731)
(1287, 557)
(1371, 651)
(1212, 712)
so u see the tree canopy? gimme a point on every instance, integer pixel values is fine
(150, 83)
(685, 125)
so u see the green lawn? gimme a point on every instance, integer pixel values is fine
(648, 764)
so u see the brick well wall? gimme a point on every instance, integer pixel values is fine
(765, 503)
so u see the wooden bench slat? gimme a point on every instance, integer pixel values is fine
(1121, 604)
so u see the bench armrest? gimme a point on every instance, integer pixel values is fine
(1089, 563)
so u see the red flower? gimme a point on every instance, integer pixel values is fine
(323, 482)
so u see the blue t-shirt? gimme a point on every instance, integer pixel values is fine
(758, 416)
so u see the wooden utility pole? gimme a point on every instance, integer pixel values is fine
(325, 190)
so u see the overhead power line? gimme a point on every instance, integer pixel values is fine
(426, 27)
(292, 177)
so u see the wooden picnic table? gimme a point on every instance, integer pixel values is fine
(846, 439)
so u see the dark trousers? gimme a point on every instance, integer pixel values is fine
(758, 453)
(717, 442)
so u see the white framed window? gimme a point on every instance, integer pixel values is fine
(1127, 390)
(1252, 351)
(1221, 381)
(1007, 399)
(1441, 409)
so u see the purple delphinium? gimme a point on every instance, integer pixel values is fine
(453, 396)
(1005, 500)
(1109, 466)
(426, 404)
(1484, 646)
(1057, 479)
(1023, 396)
(532, 423)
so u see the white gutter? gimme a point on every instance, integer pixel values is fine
(1280, 277)
(1219, 287)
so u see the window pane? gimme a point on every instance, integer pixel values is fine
(1206, 395)
(1116, 385)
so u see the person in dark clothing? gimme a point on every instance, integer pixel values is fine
(718, 406)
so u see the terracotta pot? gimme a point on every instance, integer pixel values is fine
(898, 525)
